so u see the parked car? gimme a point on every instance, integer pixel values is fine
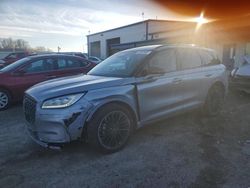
(80, 54)
(128, 90)
(11, 58)
(240, 77)
(94, 59)
(24, 73)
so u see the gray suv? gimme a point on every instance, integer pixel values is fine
(128, 90)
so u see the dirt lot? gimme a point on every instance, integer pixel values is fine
(185, 151)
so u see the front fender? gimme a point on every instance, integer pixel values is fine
(121, 94)
(114, 99)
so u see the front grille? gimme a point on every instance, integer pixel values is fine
(29, 109)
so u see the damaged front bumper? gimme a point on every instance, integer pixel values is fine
(54, 127)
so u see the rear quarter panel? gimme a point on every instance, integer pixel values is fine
(219, 74)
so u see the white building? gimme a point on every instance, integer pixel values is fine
(106, 43)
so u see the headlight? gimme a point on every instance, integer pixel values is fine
(233, 72)
(62, 102)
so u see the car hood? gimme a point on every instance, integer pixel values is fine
(73, 84)
(244, 70)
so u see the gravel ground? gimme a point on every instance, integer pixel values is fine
(184, 151)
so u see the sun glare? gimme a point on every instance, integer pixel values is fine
(200, 20)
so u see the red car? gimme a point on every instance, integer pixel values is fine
(12, 57)
(26, 72)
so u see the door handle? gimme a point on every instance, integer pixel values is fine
(50, 77)
(209, 75)
(176, 80)
(149, 79)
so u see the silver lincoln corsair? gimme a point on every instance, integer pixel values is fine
(128, 90)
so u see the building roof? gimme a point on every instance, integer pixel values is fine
(137, 23)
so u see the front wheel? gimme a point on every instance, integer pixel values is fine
(110, 128)
(214, 101)
(4, 99)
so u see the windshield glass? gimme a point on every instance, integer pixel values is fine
(15, 65)
(122, 64)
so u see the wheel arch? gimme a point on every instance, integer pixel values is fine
(119, 102)
(218, 84)
(6, 89)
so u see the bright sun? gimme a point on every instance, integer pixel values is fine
(200, 20)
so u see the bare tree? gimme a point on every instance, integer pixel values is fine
(20, 44)
(7, 43)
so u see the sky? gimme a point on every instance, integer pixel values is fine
(65, 23)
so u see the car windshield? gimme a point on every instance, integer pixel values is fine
(122, 64)
(15, 65)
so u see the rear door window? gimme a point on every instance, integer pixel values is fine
(188, 58)
(164, 61)
(76, 63)
(41, 65)
(209, 58)
(70, 63)
(62, 63)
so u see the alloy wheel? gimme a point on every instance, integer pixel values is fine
(4, 100)
(114, 130)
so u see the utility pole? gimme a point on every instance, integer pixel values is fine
(58, 49)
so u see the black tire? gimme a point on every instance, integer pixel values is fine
(105, 133)
(214, 101)
(5, 99)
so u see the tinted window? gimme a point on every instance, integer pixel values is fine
(208, 58)
(188, 58)
(61, 63)
(40, 66)
(164, 61)
(66, 63)
(74, 63)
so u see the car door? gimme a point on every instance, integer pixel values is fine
(36, 71)
(67, 66)
(191, 74)
(157, 90)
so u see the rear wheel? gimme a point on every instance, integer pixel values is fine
(4, 99)
(110, 128)
(214, 101)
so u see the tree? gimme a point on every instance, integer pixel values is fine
(7, 43)
(20, 44)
